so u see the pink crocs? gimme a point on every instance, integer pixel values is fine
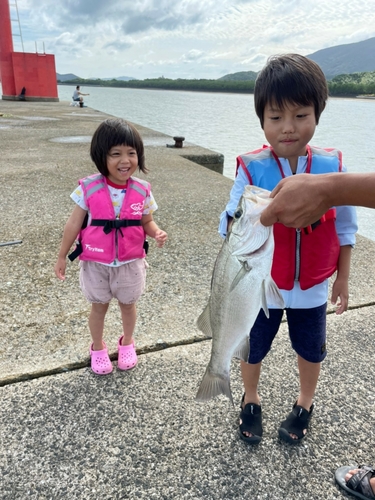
(127, 357)
(100, 362)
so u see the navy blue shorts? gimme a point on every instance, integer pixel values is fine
(307, 332)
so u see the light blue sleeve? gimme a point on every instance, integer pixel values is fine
(236, 192)
(346, 225)
(346, 222)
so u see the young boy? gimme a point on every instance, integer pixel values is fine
(290, 94)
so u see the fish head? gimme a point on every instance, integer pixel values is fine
(247, 234)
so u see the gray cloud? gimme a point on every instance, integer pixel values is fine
(196, 37)
(135, 16)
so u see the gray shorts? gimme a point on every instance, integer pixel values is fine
(126, 283)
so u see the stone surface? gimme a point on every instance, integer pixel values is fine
(68, 434)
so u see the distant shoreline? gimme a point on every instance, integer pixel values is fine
(208, 90)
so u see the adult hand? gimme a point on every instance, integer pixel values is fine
(298, 201)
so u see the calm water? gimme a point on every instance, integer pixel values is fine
(227, 123)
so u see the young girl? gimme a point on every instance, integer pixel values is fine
(112, 217)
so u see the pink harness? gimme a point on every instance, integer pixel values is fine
(106, 237)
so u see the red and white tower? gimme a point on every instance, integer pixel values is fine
(36, 72)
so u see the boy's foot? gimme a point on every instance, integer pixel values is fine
(250, 428)
(357, 482)
(127, 357)
(294, 428)
(100, 362)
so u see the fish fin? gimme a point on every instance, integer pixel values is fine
(242, 351)
(212, 385)
(273, 294)
(264, 305)
(204, 321)
(245, 268)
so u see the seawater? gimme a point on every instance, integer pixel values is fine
(227, 123)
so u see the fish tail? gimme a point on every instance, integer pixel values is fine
(212, 385)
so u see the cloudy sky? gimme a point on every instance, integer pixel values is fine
(185, 38)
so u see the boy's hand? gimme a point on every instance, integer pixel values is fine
(160, 238)
(340, 295)
(59, 268)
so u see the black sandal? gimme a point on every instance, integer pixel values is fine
(359, 484)
(251, 417)
(297, 422)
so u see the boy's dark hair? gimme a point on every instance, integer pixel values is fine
(290, 78)
(115, 132)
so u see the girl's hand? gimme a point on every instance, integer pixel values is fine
(59, 268)
(160, 238)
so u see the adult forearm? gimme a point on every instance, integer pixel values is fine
(302, 199)
(351, 189)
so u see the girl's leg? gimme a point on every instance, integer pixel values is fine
(308, 376)
(129, 316)
(96, 325)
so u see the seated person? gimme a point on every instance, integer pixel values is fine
(77, 95)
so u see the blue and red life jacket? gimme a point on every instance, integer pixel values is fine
(309, 255)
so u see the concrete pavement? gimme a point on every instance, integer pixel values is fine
(66, 433)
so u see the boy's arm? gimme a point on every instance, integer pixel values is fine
(340, 289)
(152, 229)
(71, 230)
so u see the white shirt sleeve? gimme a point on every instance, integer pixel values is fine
(77, 197)
(236, 192)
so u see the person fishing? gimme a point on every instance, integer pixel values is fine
(78, 95)
(113, 213)
(289, 96)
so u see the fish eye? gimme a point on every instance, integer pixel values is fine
(238, 213)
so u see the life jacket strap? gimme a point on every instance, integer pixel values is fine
(108, 225)
(331, 214)
(76, 252)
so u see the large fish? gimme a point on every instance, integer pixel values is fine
(241, 286)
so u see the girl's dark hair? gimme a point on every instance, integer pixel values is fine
(115, 132)
(290, 78)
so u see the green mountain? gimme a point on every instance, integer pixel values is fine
(342, 59)
(244, 76)
(349, 58)
(65, 77)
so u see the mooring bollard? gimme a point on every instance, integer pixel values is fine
(178, 141)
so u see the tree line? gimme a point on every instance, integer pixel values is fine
(340, 86)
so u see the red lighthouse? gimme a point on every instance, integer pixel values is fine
(34, 72)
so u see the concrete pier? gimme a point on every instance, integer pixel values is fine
(68, 434)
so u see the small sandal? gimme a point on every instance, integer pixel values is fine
(359, 484)
(251, 421)
(100, 362)
(127, 357)
(297, 422)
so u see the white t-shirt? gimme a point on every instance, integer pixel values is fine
(117, 197)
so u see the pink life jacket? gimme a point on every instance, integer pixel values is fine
(308, 255)
(106, 238)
